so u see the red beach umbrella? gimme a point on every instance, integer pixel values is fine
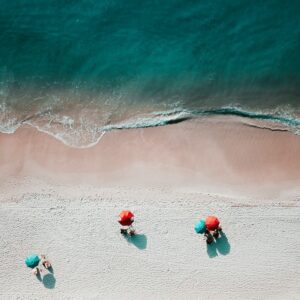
(126, 218)
(212, 223)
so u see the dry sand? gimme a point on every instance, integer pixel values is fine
(64, 202)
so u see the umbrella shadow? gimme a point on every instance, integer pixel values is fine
(222, 244)
(138, 240)
(49, 281)
(211, 250)
(219, 246)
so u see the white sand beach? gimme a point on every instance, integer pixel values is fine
(64, 202)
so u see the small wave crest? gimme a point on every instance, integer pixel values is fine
(234, 111)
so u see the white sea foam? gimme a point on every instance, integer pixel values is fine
(85, 132)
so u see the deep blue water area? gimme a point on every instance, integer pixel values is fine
(116, 54)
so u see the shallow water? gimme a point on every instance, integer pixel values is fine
(77, 69)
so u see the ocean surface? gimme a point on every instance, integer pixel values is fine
(76, 69)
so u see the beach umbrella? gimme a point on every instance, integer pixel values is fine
(126, 218)
(32, 261)
(200, 226)
(212, 223)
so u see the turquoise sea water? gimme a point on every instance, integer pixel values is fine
(76, 68)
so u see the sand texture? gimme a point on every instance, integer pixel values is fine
(64, 202)
(257, 258)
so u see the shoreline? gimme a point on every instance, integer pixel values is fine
(219, 154)
(76, 132)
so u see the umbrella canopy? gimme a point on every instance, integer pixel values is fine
(32, 261)
(200, 226)
(212, 223)
(126, 218)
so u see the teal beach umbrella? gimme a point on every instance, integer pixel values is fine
(32, 261)
(200, 226)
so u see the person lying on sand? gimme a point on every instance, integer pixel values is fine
(46, 263)
(35, 271)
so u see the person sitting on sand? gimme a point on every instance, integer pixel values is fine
(209, 237)
(217, 231)
(128, 230)
(131, 230)
(46, 263)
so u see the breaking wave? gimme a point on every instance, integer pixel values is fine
(84, 133)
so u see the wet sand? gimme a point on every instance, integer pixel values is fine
(216, 154)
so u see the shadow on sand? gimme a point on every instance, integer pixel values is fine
(49, 281)
(219, 246)
(211, 250)
(39, 277)
(138, 240)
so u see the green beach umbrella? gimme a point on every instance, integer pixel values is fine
(200, 226)
(32, 261)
